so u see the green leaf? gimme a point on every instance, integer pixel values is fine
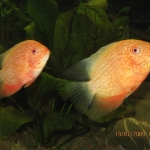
(30, 31)
(48, 83)
(82, 31)
(110, 126)
(101, 3)
(57, 121)
(124, 10)
(44, 14)
(123, 24)
(11, 120)
(44, 88)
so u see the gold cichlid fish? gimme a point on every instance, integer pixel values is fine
(21, 65)
(104, 80)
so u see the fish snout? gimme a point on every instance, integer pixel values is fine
(45, 57)
(148, 62)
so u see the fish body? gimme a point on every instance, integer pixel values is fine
(106, 78)
(21, 65)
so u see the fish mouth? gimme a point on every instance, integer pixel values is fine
(148, 61)
(45, 58)
(39, 69)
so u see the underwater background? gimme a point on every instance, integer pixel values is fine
(37, 117)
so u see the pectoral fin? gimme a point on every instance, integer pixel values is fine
(79, 95)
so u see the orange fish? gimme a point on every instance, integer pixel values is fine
(107, 77)
(21, 65)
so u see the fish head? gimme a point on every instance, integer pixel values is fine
(21, 65)
(36, 56)
(136, 54)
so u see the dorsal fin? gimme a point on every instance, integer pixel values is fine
(81, 71)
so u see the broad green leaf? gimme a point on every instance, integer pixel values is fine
(48, 83)
(30, 31)
(82, 31)
(44, 14)
(41, 95)
(11, 120)
(57, 121)
(110, 126)
(102, 3)
(124, 10)
(123, 24)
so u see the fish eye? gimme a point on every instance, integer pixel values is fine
(135, 50)
(34, 51)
